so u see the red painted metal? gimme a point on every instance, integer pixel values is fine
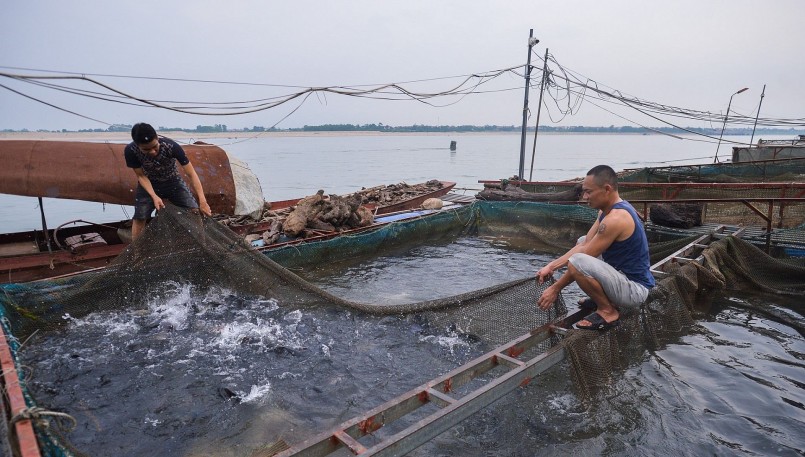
(369, 425)
(416, 201)
(514, 351)
(664, 185)
(97, 172)
(23, 429)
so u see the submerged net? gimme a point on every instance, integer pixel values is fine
(181, 247)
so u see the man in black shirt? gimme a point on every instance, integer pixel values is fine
(154, 160)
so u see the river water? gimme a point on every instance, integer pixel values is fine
(295, 166)
(220, 374)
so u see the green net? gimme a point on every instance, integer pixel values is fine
(183, 247)
(785, 214)
(791, 170)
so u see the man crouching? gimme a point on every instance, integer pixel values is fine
(611, 263)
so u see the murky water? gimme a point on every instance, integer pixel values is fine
(221, 374)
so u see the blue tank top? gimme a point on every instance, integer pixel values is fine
(631, 256)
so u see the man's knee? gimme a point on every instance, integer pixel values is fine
(579, 261)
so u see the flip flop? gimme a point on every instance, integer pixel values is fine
(588, 304)
(597, 322)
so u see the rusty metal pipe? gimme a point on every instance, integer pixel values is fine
(97, 172)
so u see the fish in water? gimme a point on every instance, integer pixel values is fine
(227, 394)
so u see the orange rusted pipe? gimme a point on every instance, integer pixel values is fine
(97, 172)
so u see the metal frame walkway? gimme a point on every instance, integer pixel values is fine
(442, 392)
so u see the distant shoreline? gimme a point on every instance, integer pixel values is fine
(123, 137)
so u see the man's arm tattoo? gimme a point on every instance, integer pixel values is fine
(601, 228)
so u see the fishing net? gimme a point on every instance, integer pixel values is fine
(786, 214)
(179, 247)
(730, 264)
(182, 247)
(790, 170)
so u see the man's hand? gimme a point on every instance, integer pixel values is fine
(544, 273)
(205, 208)
(548, 297)
(158, 203)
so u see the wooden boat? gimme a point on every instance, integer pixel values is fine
(97, 172)
(70, 248)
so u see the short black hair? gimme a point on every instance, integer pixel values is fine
(143, 133)
(604, 174)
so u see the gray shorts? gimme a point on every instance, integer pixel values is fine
(175, 192)
(620, 290)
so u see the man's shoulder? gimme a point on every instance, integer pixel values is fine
(618, 214)
(619, 219)
(130, 154)
(175, 150)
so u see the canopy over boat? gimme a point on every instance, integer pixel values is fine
(97, 172)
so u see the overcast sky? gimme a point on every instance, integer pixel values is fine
(687, 53)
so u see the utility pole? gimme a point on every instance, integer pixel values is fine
(726, 116)
(539, 108)
(762, 94)
(531, 42)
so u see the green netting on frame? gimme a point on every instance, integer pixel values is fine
(181, 246)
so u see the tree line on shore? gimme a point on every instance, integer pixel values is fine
(380, 127)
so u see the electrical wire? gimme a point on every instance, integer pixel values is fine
(566, 88)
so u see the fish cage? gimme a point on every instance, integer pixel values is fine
(180, 248)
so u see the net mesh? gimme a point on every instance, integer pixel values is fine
(788, 214)
(183, 247)
(790, 170)
(730, 264)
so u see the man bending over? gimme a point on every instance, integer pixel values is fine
(154, 160)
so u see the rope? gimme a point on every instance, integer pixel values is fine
(36, 414)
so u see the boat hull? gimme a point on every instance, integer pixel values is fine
(24, 256)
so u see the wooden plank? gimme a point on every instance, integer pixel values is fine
(23, 429)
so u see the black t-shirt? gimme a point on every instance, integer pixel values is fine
(161, 168)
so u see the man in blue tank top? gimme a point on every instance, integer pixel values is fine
(611, 263)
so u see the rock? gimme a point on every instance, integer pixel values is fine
(365, 216)
(306, 210)
(320, 225)
(252, 237)
(433, 203)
